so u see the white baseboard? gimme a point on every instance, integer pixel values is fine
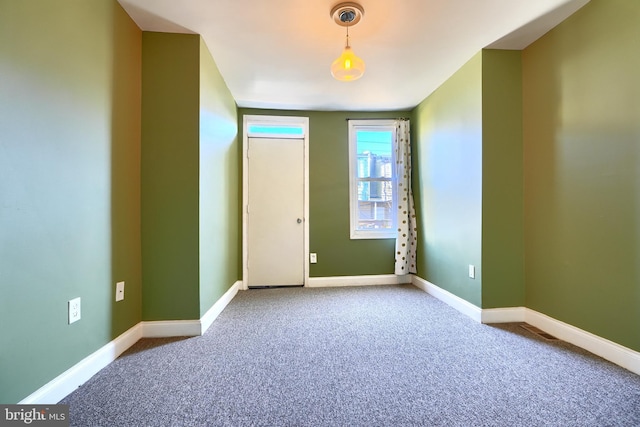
(609, 350)
(447, 297)
(381, 279)
(68, 381)
(58, 388)
(212, 314)
(189, 328)
(503, 315)
(170, 328)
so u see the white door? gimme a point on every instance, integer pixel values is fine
(275, 213)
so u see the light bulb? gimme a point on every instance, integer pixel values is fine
(348, 66)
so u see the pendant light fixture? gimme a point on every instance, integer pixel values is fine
(348, 66)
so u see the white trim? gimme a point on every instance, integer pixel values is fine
(212, 314)
(306, 202)
(189, 328)
(296, 120)
(58, 388)
(503, 315)
(170, 328)
(609, 350)
(382, 279)
(462, 305)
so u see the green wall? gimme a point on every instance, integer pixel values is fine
(338, 255)
(220, 238)
(528, 163)
(582, 171)
(190, 155)
(69, 184)
(117, 150)
(447, 182)
(170, 175)
(468, 181)
(502, 180)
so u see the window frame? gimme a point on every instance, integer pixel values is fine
(370, 125)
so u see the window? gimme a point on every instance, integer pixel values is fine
(372, 179)
(267, 130)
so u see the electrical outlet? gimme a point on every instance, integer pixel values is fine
(119, 291)
(472, 271)
(74, 310)
(313, 258)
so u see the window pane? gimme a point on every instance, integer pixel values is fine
(275, 130)
(374, 215)
(375, 195)
(374, 153)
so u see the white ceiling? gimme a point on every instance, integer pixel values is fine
(277, 53)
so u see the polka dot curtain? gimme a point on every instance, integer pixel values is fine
(407, 237)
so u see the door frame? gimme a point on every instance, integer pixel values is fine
(302, 122)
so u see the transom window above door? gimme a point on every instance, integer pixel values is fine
(266, 130)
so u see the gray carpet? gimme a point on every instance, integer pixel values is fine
(366, 356)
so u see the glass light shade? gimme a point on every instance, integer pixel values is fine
(348, 66)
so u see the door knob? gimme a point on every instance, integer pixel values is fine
(299, 221)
